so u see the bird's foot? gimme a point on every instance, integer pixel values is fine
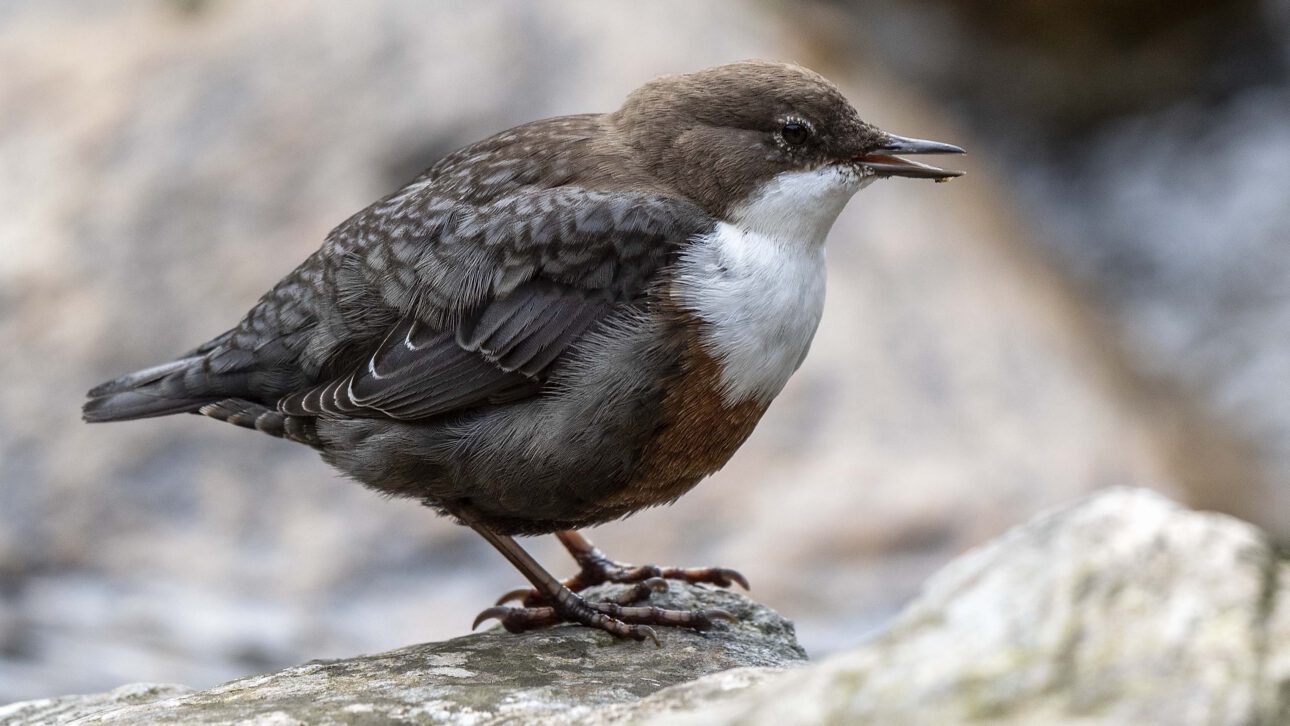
(638, 592)
(554, 602)
(615, 615)
(596, 568)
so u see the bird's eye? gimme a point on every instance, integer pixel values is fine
(795, 133)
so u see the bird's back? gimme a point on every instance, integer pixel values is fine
(532, 236)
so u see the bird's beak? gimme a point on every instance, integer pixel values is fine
(883, 161)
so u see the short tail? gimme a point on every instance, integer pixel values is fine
(158, 391)
(189, 385)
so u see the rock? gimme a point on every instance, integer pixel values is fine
(70, 708)
(490, 677)
(1124, 609)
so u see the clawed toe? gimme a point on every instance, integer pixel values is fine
(526, 595)
(719, 576)
(602, 570)
(551, 602)
(648, 614)
(519, 620)
(598, 569)
(614, 617)
(638, 592)
(530, 598)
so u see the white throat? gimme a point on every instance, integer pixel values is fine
(799, 206)
(757, 281)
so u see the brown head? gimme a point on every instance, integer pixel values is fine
(719, 134)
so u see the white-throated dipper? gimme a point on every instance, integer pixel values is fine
(559, 325)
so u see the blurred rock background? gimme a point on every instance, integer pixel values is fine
(1105, 299)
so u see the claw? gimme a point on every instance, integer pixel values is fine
(552, 602)
(493, 612)
(738, 577)
(621, 613)
(632, 621)
(719, 614)
(518, 620)
(518, 594)
(696, 619)
(646, 631)
(719, 576)
(596, 568)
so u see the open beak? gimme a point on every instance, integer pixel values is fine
(884, 162)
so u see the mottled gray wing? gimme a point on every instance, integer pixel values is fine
(486, 298)
(496, 353)
(461, 288)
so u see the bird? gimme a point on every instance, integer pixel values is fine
(559, 325)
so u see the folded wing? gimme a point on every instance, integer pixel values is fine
(498, 352)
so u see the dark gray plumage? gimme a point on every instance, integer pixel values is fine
(467, 289)
(512, 338)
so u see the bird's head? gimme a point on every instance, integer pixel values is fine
(724, 135)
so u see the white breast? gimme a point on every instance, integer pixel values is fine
(758, 280)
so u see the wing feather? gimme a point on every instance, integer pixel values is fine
(463, 288)
(498, 353)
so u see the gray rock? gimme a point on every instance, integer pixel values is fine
(69, 708)
(491, 677)
(1124, 609)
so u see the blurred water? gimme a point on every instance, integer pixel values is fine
(1148, 149)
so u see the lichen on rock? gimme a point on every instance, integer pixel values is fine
(490, 677)
(1124, 608)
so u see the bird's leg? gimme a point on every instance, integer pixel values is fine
(565, 606)
(596, 568)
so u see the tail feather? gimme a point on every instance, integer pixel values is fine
(264, 419)
(175, 387)
(140, 378)
(128, 405)
(220, 387)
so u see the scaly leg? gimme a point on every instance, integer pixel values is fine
(596, 568)
(563, 605)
